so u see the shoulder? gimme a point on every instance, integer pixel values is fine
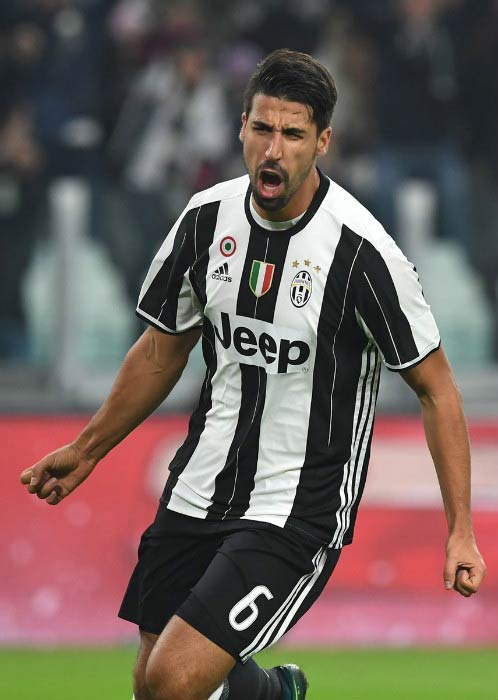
(220, 192)
(347, 211)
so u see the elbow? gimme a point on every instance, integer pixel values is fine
(443, 396)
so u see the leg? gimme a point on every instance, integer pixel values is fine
(207, 672)
(173, 554)
(209, 598)
(185, 665)
(147, 641)
(257, 586)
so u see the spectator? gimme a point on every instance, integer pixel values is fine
(158, 149)
(22, 44)
(475, 30)
(20, 167)
(417, 107)
(63, 85)
(299, 24)
(347, 51)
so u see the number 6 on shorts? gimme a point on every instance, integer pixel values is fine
(247, 602)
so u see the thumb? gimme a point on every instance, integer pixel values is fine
(35, 474)
(449, 573)
(55, 464)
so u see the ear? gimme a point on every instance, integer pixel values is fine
(242, 132)
(323, 143)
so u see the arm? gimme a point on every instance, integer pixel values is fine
(149, 372)
(446, 433)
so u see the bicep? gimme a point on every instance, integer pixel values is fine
(432, 376)
(173, 345)
(166, 349)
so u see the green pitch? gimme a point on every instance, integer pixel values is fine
(85, 674)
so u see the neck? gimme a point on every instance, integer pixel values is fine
(298, 203)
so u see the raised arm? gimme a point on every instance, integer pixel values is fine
(149, 372)
(448, 442)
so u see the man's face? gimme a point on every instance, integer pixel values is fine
(281, 145)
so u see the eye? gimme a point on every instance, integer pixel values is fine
(260, 128)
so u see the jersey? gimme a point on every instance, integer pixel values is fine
(295, 324)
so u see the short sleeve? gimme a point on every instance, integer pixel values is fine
(391, 307)
(167, 299)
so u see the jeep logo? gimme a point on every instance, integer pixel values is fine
(278, 350)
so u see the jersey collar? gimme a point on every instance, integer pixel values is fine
(303, 221)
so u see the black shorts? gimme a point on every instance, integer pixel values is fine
(242, 584)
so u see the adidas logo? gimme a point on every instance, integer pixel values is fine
(221, 273)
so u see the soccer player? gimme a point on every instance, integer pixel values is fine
(299, 294)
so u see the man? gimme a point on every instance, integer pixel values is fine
(298, 292)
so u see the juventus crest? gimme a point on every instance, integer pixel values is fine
(300, 291)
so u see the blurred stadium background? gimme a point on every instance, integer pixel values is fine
(111, 113)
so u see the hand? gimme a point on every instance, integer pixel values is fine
(56, 475)
(465, 568)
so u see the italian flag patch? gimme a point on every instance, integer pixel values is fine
(261, 277)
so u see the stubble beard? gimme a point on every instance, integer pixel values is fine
(273, 205)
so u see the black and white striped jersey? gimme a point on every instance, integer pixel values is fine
(295, 323)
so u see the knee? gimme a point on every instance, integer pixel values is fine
(168, 683)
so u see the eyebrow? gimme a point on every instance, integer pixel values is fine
(290, 130)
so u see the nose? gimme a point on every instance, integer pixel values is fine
(274, 150)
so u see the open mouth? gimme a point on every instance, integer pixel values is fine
(270, 184)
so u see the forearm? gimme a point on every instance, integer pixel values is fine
(446, 432)
(447, 438)
(144, 381)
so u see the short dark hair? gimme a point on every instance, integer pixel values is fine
(296, 77)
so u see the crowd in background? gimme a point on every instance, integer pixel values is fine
(141, 99)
